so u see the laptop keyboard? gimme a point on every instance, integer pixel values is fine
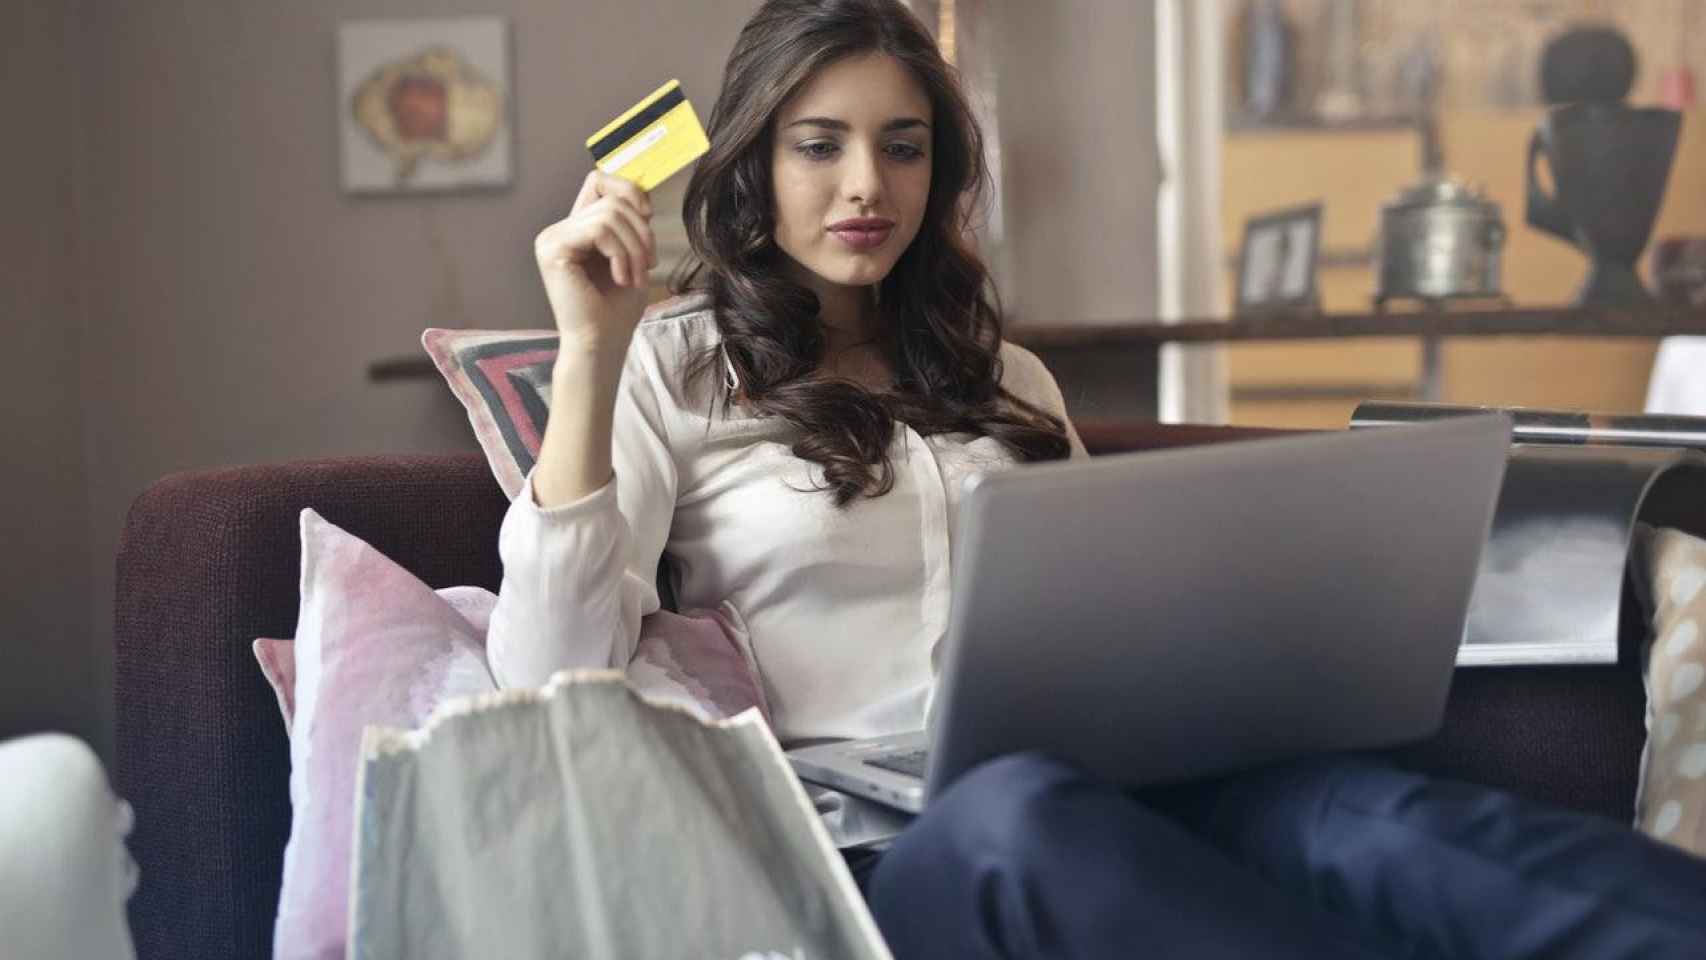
(908, 762)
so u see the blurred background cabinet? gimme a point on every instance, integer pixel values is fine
(1352, 171)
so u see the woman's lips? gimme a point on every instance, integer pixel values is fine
(863, 238)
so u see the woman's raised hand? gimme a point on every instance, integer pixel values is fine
(595, 262)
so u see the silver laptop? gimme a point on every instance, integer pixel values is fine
(1154, 617)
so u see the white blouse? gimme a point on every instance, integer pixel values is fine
(842, 609)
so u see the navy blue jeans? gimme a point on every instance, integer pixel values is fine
(1340, 857)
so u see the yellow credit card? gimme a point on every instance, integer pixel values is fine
(654, 139)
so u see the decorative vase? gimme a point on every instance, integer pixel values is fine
(1269, 60)
(1342, 97)
(1609, 164)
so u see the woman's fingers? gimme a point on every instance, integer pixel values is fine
(641, 228)
(625, 190)
(588, 193)
(629, 231)
(599, 184)
(608, 244)
(577, 240)
(611, 216)
(628, 199)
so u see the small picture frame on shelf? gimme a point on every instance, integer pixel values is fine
(1277, 261)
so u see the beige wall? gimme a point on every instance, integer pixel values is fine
(226, 297)
(46, 654)
(223, 297)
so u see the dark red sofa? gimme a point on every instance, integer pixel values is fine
(209, 561)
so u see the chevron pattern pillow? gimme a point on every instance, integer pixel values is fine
(503, 379)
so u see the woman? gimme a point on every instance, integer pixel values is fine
(794, 435)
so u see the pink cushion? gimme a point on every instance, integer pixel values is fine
(278, 664)
(278, 657)
(692, 658)
(697, 658)
(376, 646)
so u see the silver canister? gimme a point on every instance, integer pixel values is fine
(1438, 239)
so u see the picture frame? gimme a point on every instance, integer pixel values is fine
(1278, 259)
(424, 105)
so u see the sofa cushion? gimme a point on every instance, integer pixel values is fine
(692, 659)
(278, 664)
(374, 645)
(503, 380)
(277, 658)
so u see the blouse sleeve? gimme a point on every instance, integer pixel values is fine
(578, 577)
(1025, 376)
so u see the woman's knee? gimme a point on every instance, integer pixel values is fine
(1021, 817)
(1026, 852)
(951, 884)
(996, 807)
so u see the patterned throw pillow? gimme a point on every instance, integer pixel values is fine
(503, 379)
(1671, 803)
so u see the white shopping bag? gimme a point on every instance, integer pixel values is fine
(580, 820)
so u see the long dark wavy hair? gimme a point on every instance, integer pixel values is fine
(941, 316)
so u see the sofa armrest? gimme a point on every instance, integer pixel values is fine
(1570, 736)
(207, 562)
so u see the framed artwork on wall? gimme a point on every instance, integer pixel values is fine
(424, 105)
(1276, 264)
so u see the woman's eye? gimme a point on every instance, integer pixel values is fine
(823, 150)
